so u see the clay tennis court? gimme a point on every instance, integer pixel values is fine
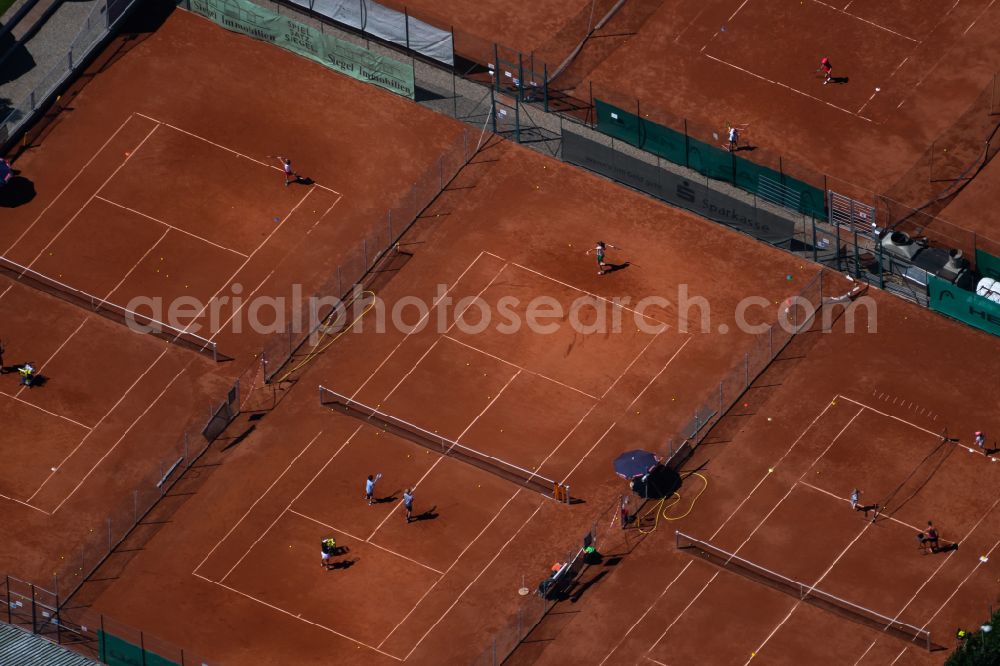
(906, 71)
(109, 409)
(233, 573)
(780, 473)
(139, 197)
(560, 404)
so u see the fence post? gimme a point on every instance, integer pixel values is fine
(496, 67)
(406, 26)
(545, 87)
(687, 146)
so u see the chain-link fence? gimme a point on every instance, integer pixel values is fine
(98, 25)
(374, 253)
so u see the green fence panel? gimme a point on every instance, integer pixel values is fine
(665, 142)
(119, 652)
(987, 264)
(812, 200)
(355, 61)
(711, 161)
(963, 305)
(617, 123)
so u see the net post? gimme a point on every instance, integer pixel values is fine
(567, 493)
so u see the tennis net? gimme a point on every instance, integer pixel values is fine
(447, 447)
(108, 309)
(805, 592)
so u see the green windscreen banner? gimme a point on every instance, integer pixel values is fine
(709, 160)
(119, 652)
(963, 305)
(255, 21)
(987, 265)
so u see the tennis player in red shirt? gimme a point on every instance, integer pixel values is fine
(827, 69)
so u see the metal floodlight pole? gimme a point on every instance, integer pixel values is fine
(746, 365)
(545, 88)
(109, 532)
(34, 619)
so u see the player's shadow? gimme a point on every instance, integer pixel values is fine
(611, 268)
(391, 497)
(342, 564)
(17, 192)
(745, 148)
(303, 180)
(947, 548)
(840, 79)
(429, 514)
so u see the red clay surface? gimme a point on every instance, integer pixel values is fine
(433, 591)
(234, 571)
(159, 195)
(781, 471)
(727, 61)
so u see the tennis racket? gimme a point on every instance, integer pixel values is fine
(377, 477)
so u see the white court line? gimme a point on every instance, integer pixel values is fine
(515, 365)
(844, 499)
(697, 16)
(811, 588)
(370, 543)
(684, 610)
(54, 354)
(169, 226)
(865, 653)
(868, 101)
(901, 653)
(99, 422)
(914, 425)
(124, 434)
(91, 198)
(786, 86)
(943, 562)
(23, 503)
(418, 326)
(42, 409)
(294, 499)
(436, 462)
(979, 563)
(255, 502)
(246, 261)
(496, 515)
(298, 617)
(69, 184)
(587, 454)
(9, 287)
(657, 376)
(583, 418)
(134, 266)
(243, 302)
(458, 317)
(774, 466)
(629, 366)
(228, 150)
(864, 20)
(582, 291)
(643, 616)
(880, 413)
(988, 7)
(473, 582)
(654, 660)
(832, 442)
(729, 20)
